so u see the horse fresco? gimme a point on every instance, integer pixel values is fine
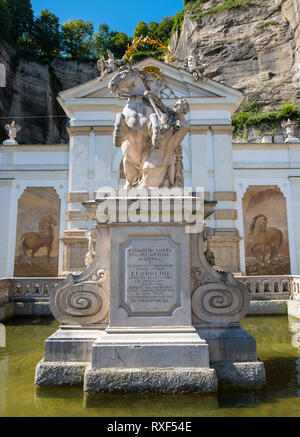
(267, 239)
(37, 233)
(36, 240)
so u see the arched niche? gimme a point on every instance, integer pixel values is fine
(37, 233)
(266, 237)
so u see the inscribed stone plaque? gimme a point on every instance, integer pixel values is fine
(151, 276)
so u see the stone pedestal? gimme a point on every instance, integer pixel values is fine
(149, 314)
(10, 142)
(75, 247)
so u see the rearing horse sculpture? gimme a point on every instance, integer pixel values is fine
(137, 128)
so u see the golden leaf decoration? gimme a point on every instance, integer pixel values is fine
(141, 42)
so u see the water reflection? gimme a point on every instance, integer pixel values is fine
(294, 327)
(158, 405)
(278, 346)
(241, 397)
(3, 382)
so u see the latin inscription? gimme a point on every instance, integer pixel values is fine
(151, 276)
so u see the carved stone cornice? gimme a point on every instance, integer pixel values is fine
(77, 196)
(76, 216)
(79, 130)
(226, 214)
(222, 129)
(199, 129)
(223, 196)
(103, 130)
(294, 179)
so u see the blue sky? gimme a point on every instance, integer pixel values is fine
(121, 15)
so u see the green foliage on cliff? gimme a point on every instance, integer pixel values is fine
(119, 43)
(108, 39)
(161, 31)
(250, 115)
(77, 38)
(178, 21)
(194, 7)
(251, 106)
(46, 36)
(43, 38)
(5, 21)
(267, 24)
(22, 19)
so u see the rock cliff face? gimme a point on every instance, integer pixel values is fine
(30, 93)
(254, 48)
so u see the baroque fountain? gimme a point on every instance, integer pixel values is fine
(150, 313)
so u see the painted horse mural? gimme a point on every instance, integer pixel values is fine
(266, 238)
(34, 241)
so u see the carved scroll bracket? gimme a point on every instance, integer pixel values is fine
(83, 299)
(217, 297)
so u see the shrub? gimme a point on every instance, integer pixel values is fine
(274, 119)
(227, 5)
(267, 24)
(5, 21)
(289, 110)
(252, 106)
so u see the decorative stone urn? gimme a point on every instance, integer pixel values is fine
(12, 130)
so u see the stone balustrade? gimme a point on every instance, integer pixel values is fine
(33, 288)
(272, 287)
(296, 288)
(260, 288)
(18, 289)
(5, 286)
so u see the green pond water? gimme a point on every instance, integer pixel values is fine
(278, 341)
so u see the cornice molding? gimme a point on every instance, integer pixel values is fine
(103, 130)
(79, 130)
(199, 129)
(221, 130)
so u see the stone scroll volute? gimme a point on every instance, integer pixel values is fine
(217, 297)
(83, 299)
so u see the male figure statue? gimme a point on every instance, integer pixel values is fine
(194, 64)
(108, 66)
